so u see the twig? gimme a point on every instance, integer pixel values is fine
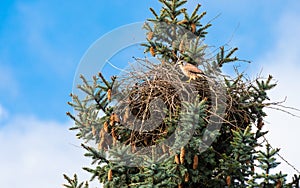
(116, 66)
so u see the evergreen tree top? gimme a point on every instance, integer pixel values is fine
(211, 131)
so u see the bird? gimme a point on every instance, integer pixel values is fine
(190, 70)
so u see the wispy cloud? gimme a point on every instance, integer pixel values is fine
(282, 61)
(35, 153)
(3, 113)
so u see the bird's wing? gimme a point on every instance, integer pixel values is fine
(193, 69)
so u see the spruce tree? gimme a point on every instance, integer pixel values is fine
(213, 144)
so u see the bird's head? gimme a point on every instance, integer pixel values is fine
(179, 63)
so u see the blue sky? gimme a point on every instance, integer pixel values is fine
(42, 42)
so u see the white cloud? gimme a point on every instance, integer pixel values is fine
(36, 153)
(3, 113)
(282, 61)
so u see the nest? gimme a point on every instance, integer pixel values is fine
(150, 98)
(148, 101)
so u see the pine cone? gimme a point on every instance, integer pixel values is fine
(193, 26)
(177, 159)
(152, 51)
(228, 181)
(150, 35)
(186, 177)
(105, 127)
(182, 155)
(109, 175)
(109, 94)
(195, 163)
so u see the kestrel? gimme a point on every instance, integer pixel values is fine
(190, 70)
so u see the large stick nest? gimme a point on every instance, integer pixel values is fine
(151, 99)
